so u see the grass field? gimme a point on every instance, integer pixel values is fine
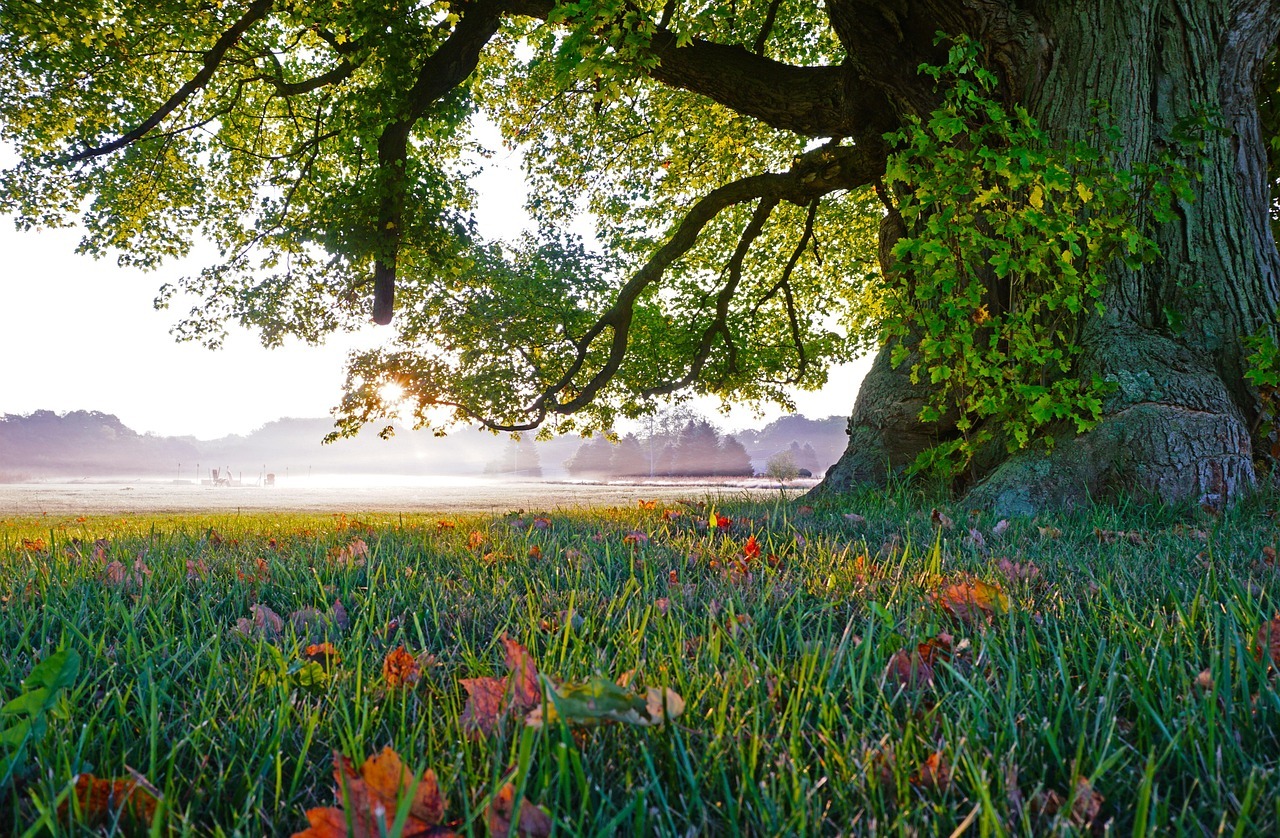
(862, 669)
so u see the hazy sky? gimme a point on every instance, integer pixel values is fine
(78, 333)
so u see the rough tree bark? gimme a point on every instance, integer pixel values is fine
(1178, 425)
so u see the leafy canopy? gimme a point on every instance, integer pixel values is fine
(326, 149)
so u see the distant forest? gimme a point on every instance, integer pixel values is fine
(90, 444)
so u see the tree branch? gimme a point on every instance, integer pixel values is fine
(812, 175)
(212, 58)
(440, 73)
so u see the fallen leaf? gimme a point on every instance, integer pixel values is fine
(934, 773)
(399, 668)
(371, 799)
(475, 539)
(1017, 572)
(1050, 532)
(486, 703)
(751, 549)
(971, 600)
(941, 519)
(598, 699)
(322, 653)
(526, 690)
(99, 801)
(1205, 680)
(531, 823)
(338, 615)
(1001, 526)
(1086, 804)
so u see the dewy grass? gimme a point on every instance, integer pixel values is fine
(836, 682)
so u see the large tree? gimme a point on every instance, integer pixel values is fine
(734, 156)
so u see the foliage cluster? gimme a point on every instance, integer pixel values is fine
(1007, 247)
(1105, 671)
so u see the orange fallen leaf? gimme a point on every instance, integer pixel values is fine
(98, 801)
(972, 600)
(475, 539)
(535, 552)
(400, 668)
(934, 773)
(324, 654)
(751, 549)
(532, 822)
(648, 504)
(372, 797)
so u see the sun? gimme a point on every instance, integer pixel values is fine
(392, 395)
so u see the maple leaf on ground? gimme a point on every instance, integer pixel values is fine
(99, 801)
(599, 699)
(751, 549)
(1086, 804)
(971, 601)
(532, 822)
(475, 539)
(486, 702)
(913, 668)
(324, 654)
(1016, 572)
(372, 798)
(400, 668)
(488, 699)
(265, 623)
(934, 773)
(527, 692)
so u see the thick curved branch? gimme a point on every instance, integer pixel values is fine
(814, 101)
(813, 174)
(212, 58)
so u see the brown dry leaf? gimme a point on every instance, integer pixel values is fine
(971, 601)
(486, 702)
(196, 570)
(1017, 572)
(372, 798)
(99, 800)
(1086, 804)
(400, 668)
(1049, 532)
(526, 691)
(934, 773)
(1268, 642)
(1205, 680)
(532, 822)
(1112, 536)
(940, 519)
(915, 667)
(338, 614)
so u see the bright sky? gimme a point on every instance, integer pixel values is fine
(81, 334)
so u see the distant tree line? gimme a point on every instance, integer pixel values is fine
(696, 450)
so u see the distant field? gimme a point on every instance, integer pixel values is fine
(353, 493)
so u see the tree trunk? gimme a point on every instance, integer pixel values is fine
(1178, 425)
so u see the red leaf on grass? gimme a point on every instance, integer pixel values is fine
(400, 668)
(99, 801)
(372, 796)
(532, 822)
